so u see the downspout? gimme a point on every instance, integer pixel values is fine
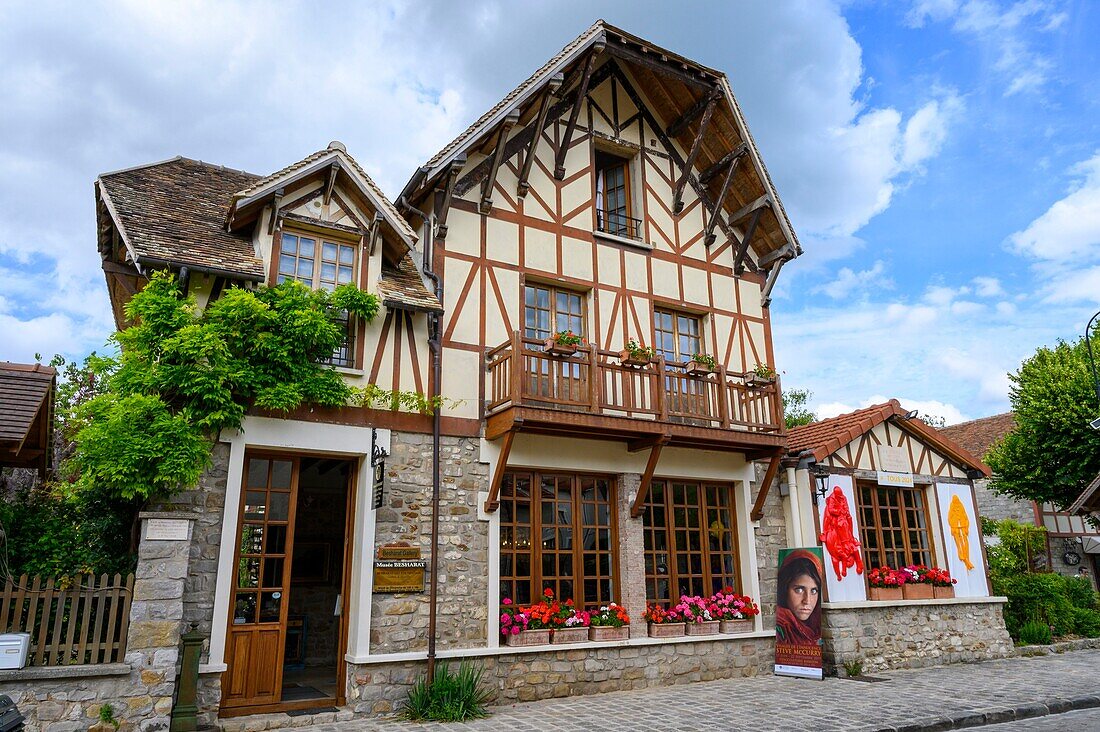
(436, 346)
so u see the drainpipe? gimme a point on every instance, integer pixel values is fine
(436, 346)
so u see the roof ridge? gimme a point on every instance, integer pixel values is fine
(177, 158)
(980, 419)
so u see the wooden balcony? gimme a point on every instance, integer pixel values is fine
(593, 394)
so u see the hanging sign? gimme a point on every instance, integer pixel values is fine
(379, 484)
(798, 613)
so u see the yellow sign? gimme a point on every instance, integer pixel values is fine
(399, 569)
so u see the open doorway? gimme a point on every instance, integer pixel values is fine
(314, 648)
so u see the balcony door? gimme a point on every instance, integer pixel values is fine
(548, 311)
(677, 337)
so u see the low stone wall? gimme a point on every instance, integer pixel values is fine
(913, 634)
(381, 688)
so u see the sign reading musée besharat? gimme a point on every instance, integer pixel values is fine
(398, 568)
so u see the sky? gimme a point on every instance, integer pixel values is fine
(939, 159)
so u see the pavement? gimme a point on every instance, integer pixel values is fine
(1038, 693)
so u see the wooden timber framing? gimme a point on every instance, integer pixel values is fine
(330, 183)
(574, 112)
(693, 154)
(694, 111)
(497, 157)
(647, 476)
(748, 208)
(719, 166)
(765, 486)
(739, 262)
(716, 214)
(527, 155)
(443, 207)
(492, 502)
(276, 202)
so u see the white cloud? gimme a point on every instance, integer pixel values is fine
(988, 287)
(926, 408)
(849, 283)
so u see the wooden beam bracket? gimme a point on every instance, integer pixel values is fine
(742, 252)
(582, 92)
(528, 156)
(506, 126)
(444, 203)
(716, 212)
(493, 501)
(275, 204)
(696, 146)
(647, 476)
(765, 486)
(333, 170)
(694, 111)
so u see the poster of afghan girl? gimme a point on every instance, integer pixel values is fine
(798, 612)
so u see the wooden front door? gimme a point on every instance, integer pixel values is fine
(261, 582)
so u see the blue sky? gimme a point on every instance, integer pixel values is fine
(940, 159)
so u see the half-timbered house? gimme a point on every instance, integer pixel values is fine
(616, 194)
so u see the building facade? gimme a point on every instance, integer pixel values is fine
(616, 195)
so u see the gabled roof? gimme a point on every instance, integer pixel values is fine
(978, 435)
(173, 212)
(775, 239)
(26, 418)
(334, 154)
(1088, 501)
(824, 438)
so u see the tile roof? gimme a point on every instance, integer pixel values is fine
(829, 435)
(978, 435)
(403, 288)
(1086, 503)
(26, 392)
(174, 211)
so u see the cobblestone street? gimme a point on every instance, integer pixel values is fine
(938, 698)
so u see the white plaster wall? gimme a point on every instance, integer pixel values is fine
(852, 587)
(971, 582)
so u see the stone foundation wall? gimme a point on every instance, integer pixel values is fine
(914, 634)
(381, 688)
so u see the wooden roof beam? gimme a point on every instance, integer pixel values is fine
(647, 477)
(718, 167)
(660, 66)
(749, 208)
(716, 212)
(443, 206)
(739, 262)
(498, 156)
(582, 92)
(694, 111)
(528, 156)
(696, 146)
(765, 486)
(331, 183)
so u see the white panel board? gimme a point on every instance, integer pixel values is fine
(851, 587)
(971, 581)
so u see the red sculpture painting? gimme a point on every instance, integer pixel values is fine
(838, 535)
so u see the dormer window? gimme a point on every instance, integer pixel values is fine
(299, 260)
(613, 197)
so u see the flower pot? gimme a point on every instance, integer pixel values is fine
(735, 626)
(528, 638)
(554, 348)
(627, 360)
(575, 634)
(943, 593)
(694, 368)
(608, 633)
(707, 627)
(756, 381)
(917, 591)
(889, 594)
(666, 630)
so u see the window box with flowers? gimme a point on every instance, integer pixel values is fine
(918, 585)
(636, 354)
(663, 622)
(943, 584)
(734, 612)
(564, 343)
(570, 624)
(885, 583)
(760, 376)
(520, 628)
(699, 613)
(609, 623)
(702, 364)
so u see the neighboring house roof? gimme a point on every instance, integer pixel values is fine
(26, 429)
(824, 438)
(402, 287)
(978, 435)
(677, 100)
(1089, 500)
(173, 212)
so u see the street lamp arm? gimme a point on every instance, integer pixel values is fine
(1092, 358)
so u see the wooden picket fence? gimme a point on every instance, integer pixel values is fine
(72, 620)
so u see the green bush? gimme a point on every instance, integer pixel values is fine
(1086, 622)
(1035, 597)
(1035, 633)
(452, 697)
(1080, 593)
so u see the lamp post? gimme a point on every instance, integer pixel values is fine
(1092, 358)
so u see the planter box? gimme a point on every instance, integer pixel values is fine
(666, 630)
(554, 348)
(889, 594)
(754, 380)
(735, 626)
(576, 634)
(608, 633)
(699, 369)
(627, 360)
(528, 638)
(707, 627)
(917, 591)
(943, 593)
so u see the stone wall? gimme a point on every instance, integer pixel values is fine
(999, 506)
(68, 699)
(399, 622)
(771, 536)
(913, 634)
(519, 677)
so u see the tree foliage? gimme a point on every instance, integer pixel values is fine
(1052, 453)
(796, 410)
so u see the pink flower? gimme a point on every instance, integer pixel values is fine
(515, 630)
(507, 601)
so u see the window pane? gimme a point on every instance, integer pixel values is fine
(328, 251)
(306, 247)
(290, 243)
(347, 255)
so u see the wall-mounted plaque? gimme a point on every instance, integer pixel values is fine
(399, 569)
(166, 529)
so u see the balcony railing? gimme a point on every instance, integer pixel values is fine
(618, 224)
(593, 381)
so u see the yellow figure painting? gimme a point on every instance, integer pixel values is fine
(960, 530)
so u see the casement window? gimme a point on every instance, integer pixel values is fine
(690, 540)
(548, 311)
(613, 196)
(677, 336)
(558, 531)
(894, 526)
(319, 263)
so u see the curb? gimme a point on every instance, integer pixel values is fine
(1019, 712)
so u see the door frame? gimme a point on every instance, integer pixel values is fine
(356, 463)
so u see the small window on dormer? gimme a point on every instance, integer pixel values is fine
(613, 196)
(299, 260)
